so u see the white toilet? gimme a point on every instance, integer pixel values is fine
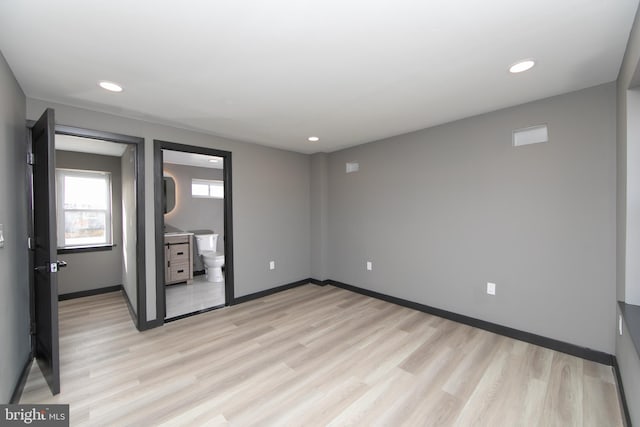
(213, 261)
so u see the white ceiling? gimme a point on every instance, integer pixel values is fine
(192, 159)
(276, 72)
(107, 148)
(89, 145)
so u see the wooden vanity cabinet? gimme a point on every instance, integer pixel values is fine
(178, 258)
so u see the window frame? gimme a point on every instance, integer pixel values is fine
(61, 210)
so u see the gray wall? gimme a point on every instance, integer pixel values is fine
(631, 291)
(14, 285)
(270, 199)
(442, 211)
(319, 216)
(93, 270)
(627, 356)
(129, 226)
(196, 213)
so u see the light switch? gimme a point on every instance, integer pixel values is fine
(1, 236)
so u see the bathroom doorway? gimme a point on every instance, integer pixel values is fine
(194, 269)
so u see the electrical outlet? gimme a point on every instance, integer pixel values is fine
(620, 324)
(272, 265)
(491, 288)
(369, 266)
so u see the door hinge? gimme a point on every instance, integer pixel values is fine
(31, 159)
(32, 328)
(30, 243)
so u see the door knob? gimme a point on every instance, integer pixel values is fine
(53, 267)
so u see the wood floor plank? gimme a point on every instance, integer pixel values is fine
(314, 356)
(483, 407)
(371, 405)
(563, 401)
(415, 405)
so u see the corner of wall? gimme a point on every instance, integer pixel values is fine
(319, 197)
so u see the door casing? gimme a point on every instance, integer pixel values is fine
(139, 315)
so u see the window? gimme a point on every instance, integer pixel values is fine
(84, 208)
(206, 188)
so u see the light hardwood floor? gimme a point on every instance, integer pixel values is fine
(314, 356)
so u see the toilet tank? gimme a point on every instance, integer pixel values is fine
(206, 242)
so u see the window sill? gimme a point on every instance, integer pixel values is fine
(81, 249)
(631, 316)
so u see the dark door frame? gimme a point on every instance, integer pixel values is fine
(158, 146)
(139, 315)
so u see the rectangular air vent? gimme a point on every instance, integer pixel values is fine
(530, 135)
(353, 167)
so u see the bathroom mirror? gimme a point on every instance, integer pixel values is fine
(169, 188)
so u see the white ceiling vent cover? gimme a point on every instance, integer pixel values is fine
(530, 135)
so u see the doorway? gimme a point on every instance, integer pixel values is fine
(194, 240)
(43, 210)
(74, 144)
(99, 236)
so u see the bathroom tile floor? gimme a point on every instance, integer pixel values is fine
(183, 299)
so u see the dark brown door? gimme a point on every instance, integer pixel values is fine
(45, 286)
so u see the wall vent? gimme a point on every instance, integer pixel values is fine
(353, 167)
(530, 135)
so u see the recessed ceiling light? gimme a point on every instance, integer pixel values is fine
(521, 66)
(313, 138)
(110, 86)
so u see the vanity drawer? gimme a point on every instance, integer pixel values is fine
(178, 258)
(179, 252)
(178, 272)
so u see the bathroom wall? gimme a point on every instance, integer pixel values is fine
(93, 270)
(15, 341)
(191, 213)
(195, 213)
